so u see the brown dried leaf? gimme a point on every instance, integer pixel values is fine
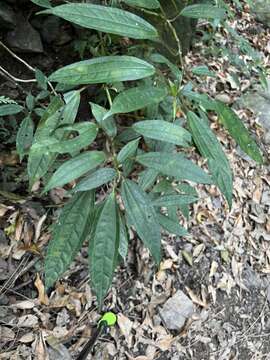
(42, 296)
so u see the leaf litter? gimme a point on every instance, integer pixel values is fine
(223, 268)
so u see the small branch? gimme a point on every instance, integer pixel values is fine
(14, 78)
(17, 57)
(26, 64)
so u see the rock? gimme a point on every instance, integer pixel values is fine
(259, 102)
(7, 17)
(50, 29)
(176, 311)
(24, 38)
(261, 9)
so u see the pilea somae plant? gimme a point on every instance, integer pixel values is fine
(141, 159)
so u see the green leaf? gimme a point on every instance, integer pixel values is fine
(164, 186)
(10, 109)
(30, 102)
(106, 19)
(238, 131)
(209, 147)
(38, 162)
(71, 229)
(74, 168)
(160, 59)
(41, 79)
(96, 179)
(173, 227)
(87, 134)
(107, 124)
(103, 248)
(204, 11)
(201, 99)
(141, 214)
(57, 114)
(174, 200)
(136, 98)
(128, 151)
(146, 4)
(202, 70)
(24, 137)
(175, 165)
(147, 178)
(163, 131)
(118, 68)
(42, 3)
(123, 241)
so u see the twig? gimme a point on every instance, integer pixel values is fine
(17, 57)
(26, 64)
(14, 78)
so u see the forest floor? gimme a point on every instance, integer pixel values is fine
(223, 267)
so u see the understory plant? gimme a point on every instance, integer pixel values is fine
(136, 143)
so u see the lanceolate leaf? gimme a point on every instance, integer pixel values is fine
(96, 179)
(87, 134)
(39, 162)
(204, 11)
(103, 248)
(175, 165)
(123, 241)
(118, 68)
(174, 200)
(56, 114)
(107, 124)
(147, 178)
(71, 229)
(164, 131)
(136, 98)
(74, 168)
(147, 4)
(25, 136)
(238, 131)
(160, 59)
(203, 70)
(128, 150)
(42, 3)
(141, 214)
(106, 19)
(10, 109)
(171, 226)
(210, 148)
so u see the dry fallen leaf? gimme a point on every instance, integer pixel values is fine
(125, 326)
(28, 321)
(6, 334)
(165, 342)
(27, 338)
(24, 305)
(40, 349)
(42, 296)
(195, 298)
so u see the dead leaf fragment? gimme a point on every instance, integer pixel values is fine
(27, 338)
(42, 296)
(28, 321)
(125, 326)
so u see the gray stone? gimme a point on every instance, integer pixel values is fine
(50, 29)
(7, 17)
(261, 8)
(24, 38)
(176, 311)
(259, 102)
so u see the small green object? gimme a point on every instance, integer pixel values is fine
(110, 318)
